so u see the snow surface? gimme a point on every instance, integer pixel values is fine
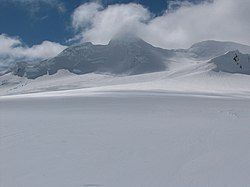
(121, 139)
(186, 125)
(187, 77)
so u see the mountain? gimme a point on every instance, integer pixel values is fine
(233, 62)
(131, 56)
(121, 56)
(4, 68)
(88, 66)
(210, 49)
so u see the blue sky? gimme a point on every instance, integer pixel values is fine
(36, 21)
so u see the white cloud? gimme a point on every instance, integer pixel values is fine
(44, 50)
(12, 49)
(219, 20)
(84, 14)
(106, 23)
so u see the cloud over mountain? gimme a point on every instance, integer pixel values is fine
(218, 20)
(175, 28)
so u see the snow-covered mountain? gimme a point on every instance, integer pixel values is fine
(180, 119)
(210, 49)
(191, 120)
(121, 56)
(233, 62)
(127, 56)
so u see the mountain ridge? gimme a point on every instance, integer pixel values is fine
(125, 56)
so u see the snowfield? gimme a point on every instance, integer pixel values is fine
(183, 123)
(192, 78)
(127, 138)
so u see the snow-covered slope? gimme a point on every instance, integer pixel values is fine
(124, 139)
(150, 68)
(185, 126)
(210, 49)
(194, 78)
(233, 62)
(4, 67)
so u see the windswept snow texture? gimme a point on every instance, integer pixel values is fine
(233, 62)
(125, 139)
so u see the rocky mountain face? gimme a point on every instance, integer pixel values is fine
(233, 62)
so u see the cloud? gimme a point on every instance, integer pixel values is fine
(103, 24)
(12, 49)
(218, 20)
(83, 15)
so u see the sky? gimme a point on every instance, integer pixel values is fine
(37, 20)
(40, 29)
